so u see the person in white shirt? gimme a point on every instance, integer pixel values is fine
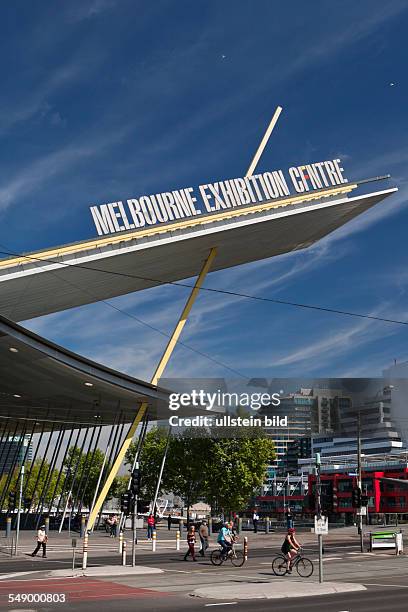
(42, 540)
(255, 519)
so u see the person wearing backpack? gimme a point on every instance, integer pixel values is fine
(290, 548)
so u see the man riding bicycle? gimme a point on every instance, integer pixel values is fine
(225, 539)
(290, 548)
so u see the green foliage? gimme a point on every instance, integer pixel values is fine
(238, 467)
(150, 460)
(224, 467)
(83, 474)
(38, 479)
(187, 472)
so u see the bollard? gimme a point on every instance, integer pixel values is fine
(117, 530)
(181, 525)
(124, 553)
(210, 526)
(154, 537)
(47, 525)
(85, 551)
(8, 526)
(82, 531)
(267, 524)
(177, 540)
(239, 526)
(120, 542)
(246, 548)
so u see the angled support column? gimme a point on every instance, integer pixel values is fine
(156, 376)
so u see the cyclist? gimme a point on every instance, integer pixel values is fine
(290, 548)
(225, 539)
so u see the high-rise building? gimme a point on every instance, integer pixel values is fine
(13, 452)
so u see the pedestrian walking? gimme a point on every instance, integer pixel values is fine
(255, 519)
(191, 540)
(290, 523)
(169, 522)
(42, 540)
(151, 523)
(203, 533)
(113, 523)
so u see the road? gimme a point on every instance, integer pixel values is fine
(383, 574)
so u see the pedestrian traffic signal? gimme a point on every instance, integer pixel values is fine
(135, 482)
(356, 498)
(126, 503)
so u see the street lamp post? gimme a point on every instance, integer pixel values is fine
(319, 514)
(359, 482)
(20, 501)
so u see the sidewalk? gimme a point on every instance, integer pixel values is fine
(278, 589)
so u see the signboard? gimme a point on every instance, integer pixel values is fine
(168, 206)
(362, 511)
(321, 525)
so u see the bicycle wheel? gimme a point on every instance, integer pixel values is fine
(238, 558)
(279, 566)
(304, 567)
(216, 557)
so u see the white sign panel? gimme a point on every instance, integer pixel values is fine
(171, 206)
(321, 525)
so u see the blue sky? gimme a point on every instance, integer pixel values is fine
(104, 100)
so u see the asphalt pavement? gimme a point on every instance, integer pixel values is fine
(381, 573)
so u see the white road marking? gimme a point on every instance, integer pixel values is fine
(400, 586)
(227, 603)
(9, 576)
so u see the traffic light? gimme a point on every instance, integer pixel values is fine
(143, 506)
(12, 500)
(126, 503)
(27, 501)
(364, 500)
(356, 498)
(135, 482)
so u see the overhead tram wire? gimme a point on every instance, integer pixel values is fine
(213, 290)
(152, 327)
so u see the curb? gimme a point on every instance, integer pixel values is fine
(277, 590)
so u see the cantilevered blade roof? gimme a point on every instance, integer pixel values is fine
(45, 383)
(89, 271)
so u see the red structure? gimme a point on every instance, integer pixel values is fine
(383, 497)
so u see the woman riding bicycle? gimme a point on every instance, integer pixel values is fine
(225, 539)
(290, 548)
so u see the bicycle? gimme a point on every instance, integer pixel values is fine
(303, 565)
(236, 557)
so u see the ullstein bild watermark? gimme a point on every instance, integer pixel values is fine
(228, 421)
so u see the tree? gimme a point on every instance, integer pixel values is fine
(39, 484)
(187, 468)
(238, 467)
(150, 461)
(82, 475)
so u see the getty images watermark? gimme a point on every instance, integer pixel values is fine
(220, 401)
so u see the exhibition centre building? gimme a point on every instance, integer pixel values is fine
(54, 399)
